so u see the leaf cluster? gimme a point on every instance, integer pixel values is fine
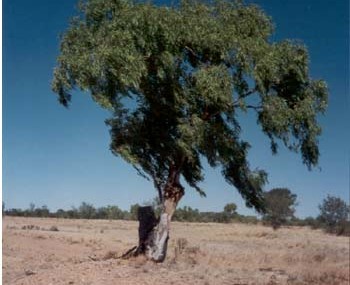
(280, 206)
(333, 211)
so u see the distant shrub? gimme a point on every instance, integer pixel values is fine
(280, 207)
(247, 219)
(30, 227)
(334, 215)
(343, 228)
(53, 229)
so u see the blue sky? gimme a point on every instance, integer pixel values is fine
(58, 157)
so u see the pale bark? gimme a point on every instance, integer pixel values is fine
(157, 242)
(153, 234)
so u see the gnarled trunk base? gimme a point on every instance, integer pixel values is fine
(147, 221)
(153, 232)
(157, 242)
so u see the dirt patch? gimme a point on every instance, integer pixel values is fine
(57, 251)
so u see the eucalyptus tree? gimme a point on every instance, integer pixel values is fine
(280, 206)
(334, 215)
(230, 209)
(175, 78)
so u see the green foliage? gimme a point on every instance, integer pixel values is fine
(32, 211)
(230, 208)
(41, 212)
(86, 211)
(247, 219)
(175, 77)
(60, 213)
(187, 214)
(112, 212)
(334, 215)
(280, 203)
(133, 211)
(72, 213)
(15, 212)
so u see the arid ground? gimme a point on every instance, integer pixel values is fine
(57, 251)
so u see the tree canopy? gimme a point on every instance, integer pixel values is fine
(175, 79)
(280, 206)
(333, 212)
(230, 208)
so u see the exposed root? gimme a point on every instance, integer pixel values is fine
(130, 253)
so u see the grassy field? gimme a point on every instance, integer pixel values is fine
(57, 251)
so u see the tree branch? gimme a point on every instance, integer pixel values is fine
(156, 182)
(245, 95)
(192, 51)
(250, 92)
(159, 189)
(256, 108)
(158, 186)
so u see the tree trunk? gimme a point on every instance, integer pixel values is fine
(153, 238)
(147, 221)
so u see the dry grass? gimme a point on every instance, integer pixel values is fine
(84, 252)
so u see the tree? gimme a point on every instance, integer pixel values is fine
(73, 213)
(187, 214)
(230, 209)
(334, 214)
(31, 209)
(280, 203)
(87, 211)
(15, 212)
(41, 212)
(60, 213)
(133, 211)
(229, 212)
(175, 80)
(114, 213)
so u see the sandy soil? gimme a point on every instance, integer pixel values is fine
(84, 251)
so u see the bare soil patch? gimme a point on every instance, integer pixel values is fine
(58, 251)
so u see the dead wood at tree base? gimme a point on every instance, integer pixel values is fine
(147, 222)
(153, 232)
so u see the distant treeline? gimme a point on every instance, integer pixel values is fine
(113, 212)
(333, 216)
